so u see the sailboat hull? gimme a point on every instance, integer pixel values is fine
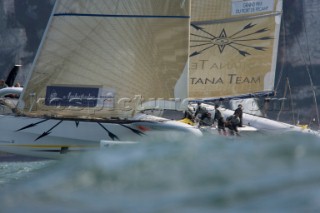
(51, 138)
(254, 124)
(268, 126)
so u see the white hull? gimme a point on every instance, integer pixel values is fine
(10, 90)
(264, 125)
(52, 138)
(243, 131)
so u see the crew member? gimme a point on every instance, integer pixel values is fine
(220, 120)
(239, 112)
(232, 122)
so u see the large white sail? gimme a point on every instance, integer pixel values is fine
(233, 47)
(104, 58)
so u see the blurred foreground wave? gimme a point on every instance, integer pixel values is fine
(211, 174)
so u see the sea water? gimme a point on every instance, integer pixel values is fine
(210, 174)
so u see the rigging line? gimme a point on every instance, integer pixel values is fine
(291, 101)
(282, 103)
(307, 40)
(284, 55)
(311, 82)
(310, 64)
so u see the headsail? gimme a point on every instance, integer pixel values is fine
(233, 47)
(103, 58)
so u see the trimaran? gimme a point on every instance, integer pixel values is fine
(101, 64)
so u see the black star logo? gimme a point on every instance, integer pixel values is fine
(222, 40)
(204, 40)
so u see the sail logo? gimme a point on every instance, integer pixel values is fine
(71, 96)
(240, 41)
(241, 7)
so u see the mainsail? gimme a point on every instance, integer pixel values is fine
(233, 47)
(104, 58)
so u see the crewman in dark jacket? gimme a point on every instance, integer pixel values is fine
(220, 119)
(232, 122)
(239, 112)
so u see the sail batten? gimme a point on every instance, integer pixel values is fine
(119, 16)
(118, 54)
(226, 20)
